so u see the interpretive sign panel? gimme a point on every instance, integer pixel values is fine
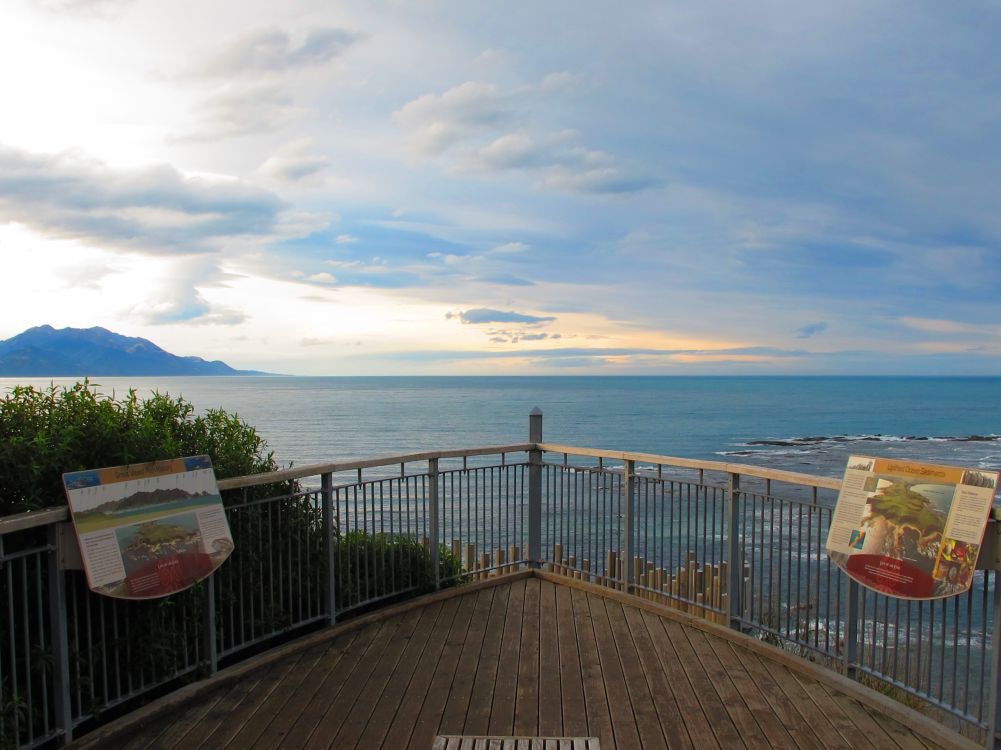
(908, 529)
(148, 530)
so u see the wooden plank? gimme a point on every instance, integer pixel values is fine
(599, 721)
(273, 705)
(338, 706)
(672, 721)
(875, 724)
(481, 698)
(506, 684)
(304, 697)
(741, 715)
(426, 725)
(619, 708)
(169, 730)
(223, 709)
(381, 716)
(550, 691)
(418, 683)
(571, 679)
(310, 715)
(801, 732)
(696, 721)
(526, 711)
(453, 718)
(832, 710)
(644, 711)
(801, 702)
(864, 723)
(370, 689)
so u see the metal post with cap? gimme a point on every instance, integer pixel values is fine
(535, 488)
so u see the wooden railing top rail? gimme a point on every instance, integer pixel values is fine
(22, 521)
(777, 475)
(312, 470)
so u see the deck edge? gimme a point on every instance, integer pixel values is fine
(135, 719)
(909, 717)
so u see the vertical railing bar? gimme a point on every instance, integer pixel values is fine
(852, 628)
(734, 568)
(984, 607)
(433, 519)
(629, 513)
(59, 639)
(330, 569)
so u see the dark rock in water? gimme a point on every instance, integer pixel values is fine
(978, 438)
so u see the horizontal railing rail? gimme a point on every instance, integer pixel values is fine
(739, 545)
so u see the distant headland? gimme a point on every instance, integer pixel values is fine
(45, 351)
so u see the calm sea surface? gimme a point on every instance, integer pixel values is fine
(806, 424)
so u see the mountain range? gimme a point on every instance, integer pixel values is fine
(45, 351)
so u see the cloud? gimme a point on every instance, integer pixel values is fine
(934, 325)
(296, 161)
(510, 248)
(345, 239)
(151, 210)
(241, 109)
(91, 8)
(176, 298)
(251, 95)
(466, 120)
(505, 280)
(322, 278)
(440, 120)
(557, 163)
(271, 49)
(480, 315)
(87, 276)
(810, 330)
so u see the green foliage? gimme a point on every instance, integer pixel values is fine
(45, 432)
(370, 566)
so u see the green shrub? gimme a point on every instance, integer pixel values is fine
(45, 432)
(370, 566)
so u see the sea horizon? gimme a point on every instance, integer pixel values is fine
(771, 420)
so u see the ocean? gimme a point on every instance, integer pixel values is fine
(808, 424)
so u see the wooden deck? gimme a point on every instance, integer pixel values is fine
(529, 656)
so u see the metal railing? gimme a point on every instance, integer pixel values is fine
(738, 545)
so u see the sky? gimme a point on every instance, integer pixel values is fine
(381, 188)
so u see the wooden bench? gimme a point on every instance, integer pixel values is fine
(467, 742)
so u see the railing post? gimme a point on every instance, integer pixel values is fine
(535, 489)
(994, 700)
(209, 633)
(327, 510)
(735, 584)
(628, 520)
(433, 519)
(851, 629)
(59, 638)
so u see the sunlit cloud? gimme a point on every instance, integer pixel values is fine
(659, 191)
(152, 210)
(481, 315)
(272, 49)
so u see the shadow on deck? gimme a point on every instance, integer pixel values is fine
(526, 654)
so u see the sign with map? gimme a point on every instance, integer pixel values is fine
(910, 530)
(148, 530)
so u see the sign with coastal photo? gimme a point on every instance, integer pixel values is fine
(148, 530)
(908, 529)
